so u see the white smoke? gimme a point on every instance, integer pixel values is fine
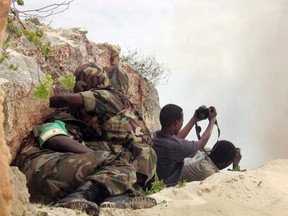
(233, 55)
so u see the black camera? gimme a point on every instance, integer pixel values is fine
(202, 113)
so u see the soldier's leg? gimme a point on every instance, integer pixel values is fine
(81, 181)
(112, 184)
(133, 198)
(145, 162)
(115, 177)
(64, 174)
(118, 174)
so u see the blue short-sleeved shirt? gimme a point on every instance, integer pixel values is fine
(171, 152)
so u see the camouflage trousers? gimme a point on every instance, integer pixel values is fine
(144, 161)
(65, 172)
(142, 156)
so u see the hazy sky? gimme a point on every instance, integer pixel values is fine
(229, 54)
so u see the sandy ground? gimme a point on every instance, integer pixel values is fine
(262, 191)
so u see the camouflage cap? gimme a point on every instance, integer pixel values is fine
(90, 76)
(118, 78)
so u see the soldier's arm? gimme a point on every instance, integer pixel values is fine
(66, 144)
(66, 100)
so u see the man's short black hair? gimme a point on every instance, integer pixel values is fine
(222, 152)
(169, 114)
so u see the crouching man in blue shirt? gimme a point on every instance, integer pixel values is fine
(171, 146)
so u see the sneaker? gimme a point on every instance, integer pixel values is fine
(124, 201)
(79, 204)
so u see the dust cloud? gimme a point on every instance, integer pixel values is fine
(233, 55)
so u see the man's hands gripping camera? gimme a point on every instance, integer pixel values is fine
(200, 114)
(203, 113)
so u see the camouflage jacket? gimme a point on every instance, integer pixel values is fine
(112, 117)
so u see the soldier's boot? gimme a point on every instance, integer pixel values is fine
(124, 201)
(85, 198)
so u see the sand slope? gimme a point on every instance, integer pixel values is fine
(263, 191)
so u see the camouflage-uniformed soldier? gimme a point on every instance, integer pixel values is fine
(55, 166)
(100, 100)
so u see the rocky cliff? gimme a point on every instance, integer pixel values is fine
(69, 49)
(5, 185)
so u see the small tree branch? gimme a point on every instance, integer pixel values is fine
(48, 10)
